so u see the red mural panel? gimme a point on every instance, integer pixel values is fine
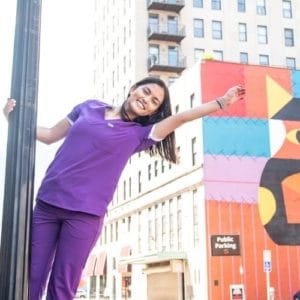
(216, 78)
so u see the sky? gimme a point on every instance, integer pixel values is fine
(65, 76)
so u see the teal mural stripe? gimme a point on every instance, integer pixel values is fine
(296, 83)
(236, 136)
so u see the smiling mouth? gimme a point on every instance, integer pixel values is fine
(140, 104)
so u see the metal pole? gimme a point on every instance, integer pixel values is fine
(19, 176)
(268, 284)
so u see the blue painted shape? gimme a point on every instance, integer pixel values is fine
(296, 83)
(236, 136)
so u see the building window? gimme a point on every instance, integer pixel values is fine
(129, 224)
(179, 223)
(262, 33)
(264, 59)
(287, 9)
(243, 57)
(150, 230)
(124, 65)
(218, 54)
(130, 187)
(129, 58)
(288, 37)
(178, 152)
(124, 190)
(124, 92)
(124, 40)
(140, 181)
(291, 62)
(198, 53)
(162, 166)
(156, 228)
(105, 235)
(217, 30)
(192, 100)
(198, 3)
(171, 223)
(173, 55)
(114, 263)
(171, 80)
(149, 172)
(195, 218)
(153, 23)
(241, 5)
(194, 151)
(139, 232)
(164, 226)
(216, 4)
(242, 32)
(261, 7)
(117, 231)
(198, 28)
(155, 168)
(172, 24)
(153, 54)
(111, 232)
(176, 108)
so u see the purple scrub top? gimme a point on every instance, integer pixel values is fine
(85, 171)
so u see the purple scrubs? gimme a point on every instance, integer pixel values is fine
(74, 195)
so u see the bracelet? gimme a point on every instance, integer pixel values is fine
(221, 105)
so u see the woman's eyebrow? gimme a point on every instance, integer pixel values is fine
(147, 89)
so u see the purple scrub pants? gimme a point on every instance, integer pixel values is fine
(60, 245)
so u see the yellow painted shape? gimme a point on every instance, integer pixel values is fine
(207, 56)
(277, 96)
(266, 205)
(292, 136)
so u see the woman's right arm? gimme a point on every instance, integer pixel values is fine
(43, 134)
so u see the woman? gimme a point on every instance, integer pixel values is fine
(80, 181)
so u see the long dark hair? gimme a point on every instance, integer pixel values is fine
(165, 148)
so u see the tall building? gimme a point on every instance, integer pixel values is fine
(154, 243)
(164, 37)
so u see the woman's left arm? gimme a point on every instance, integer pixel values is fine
(168, 125)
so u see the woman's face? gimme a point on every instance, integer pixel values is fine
(144, 100)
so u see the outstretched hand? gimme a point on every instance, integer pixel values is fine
(9, 107)
(234, 94)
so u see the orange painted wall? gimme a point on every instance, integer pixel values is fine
(243, 219)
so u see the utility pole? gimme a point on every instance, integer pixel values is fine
(20, 158)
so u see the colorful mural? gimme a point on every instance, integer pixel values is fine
(252, 177)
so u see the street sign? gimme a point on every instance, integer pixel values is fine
(267, 261)
(267, 266)
(267, 269)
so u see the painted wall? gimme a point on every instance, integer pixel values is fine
(252, 178)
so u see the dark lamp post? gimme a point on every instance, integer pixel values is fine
(19, 176)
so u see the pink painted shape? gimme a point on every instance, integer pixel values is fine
(232, 178)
